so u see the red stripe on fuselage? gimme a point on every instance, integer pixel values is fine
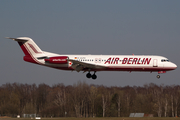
(33, 58)
(145, 69)
(139, 68)
(28, 56)
(33, 48)
(21, 44)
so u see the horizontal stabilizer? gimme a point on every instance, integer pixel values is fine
(16, 39)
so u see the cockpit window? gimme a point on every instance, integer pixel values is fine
(164, 60)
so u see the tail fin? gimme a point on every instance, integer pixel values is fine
(31, 50)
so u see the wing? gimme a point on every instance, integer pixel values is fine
(78, 66)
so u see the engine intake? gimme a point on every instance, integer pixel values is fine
(57, 60)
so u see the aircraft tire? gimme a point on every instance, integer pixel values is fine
(158, 76)
(94, 76)
(88, 75)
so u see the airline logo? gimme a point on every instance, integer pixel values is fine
(33, 48)
(128, 61)
(58, 59)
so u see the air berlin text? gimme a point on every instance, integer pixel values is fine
(128, 61)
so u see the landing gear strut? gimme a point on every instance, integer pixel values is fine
(88, 75)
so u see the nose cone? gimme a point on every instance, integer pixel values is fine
(175, 66)
(170, 66)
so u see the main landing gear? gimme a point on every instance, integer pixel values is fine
(88, 75)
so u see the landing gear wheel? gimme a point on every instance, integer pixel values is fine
(94, 76)
(88, 75)
(158, 76)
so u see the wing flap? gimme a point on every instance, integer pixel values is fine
(78, 66)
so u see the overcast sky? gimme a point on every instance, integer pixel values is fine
(119, 27)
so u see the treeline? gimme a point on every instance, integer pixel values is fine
(83, 100)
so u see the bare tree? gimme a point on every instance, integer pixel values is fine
(119, 98)
(106, 97)
(165, 105)
(104, 104)
(92, 98)
(60, 99)
(176, 99)
(157, 93)
(79, 95)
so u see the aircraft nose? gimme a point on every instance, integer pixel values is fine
(174, 66)
(170, 66)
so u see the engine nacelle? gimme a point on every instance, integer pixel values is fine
(57, 60)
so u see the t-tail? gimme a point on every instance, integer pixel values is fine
(31, 50)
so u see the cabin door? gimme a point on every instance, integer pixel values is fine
(155, 63)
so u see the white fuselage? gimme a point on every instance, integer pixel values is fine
(94, 63)
(119, 62)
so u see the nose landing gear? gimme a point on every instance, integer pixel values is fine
(158, 76)
(94, 76)
(160, 72)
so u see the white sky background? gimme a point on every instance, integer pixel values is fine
(116, 27)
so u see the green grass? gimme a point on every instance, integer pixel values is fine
(99, 118)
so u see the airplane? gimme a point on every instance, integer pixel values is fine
(93, 63)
